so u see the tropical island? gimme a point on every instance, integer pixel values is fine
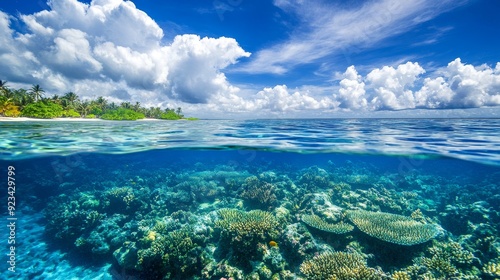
(32, 103)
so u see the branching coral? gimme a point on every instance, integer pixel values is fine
(120, 197)
(338, 266)
(400, 275)
(392, 228)
(174, 254)
(255, 222)
(453, 251)
(440, 265)
(68, 217)
(447, 260)
(244, 230)
(259, 192)
(314, 178)
(492, 268)
(316, 222)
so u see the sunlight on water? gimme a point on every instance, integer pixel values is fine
(262, 199)
(470, 139)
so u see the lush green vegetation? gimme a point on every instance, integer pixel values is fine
(33, 103)
(42, 110)
(121, 114)
(170, 115)
(71, 113)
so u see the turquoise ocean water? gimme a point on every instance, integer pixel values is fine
(259, 199)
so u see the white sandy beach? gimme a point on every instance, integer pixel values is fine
(23, 119)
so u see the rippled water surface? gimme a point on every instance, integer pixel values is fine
(469, 139)
(251, 199)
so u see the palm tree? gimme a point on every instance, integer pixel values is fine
(71, 96)
(4, 103)
(179, 112)
(3, 87)
(56, 99)
(22, 98)
(7, 108)
(7, 92)
(83, 108)
(137, 106)
(37, 92)
(69, 99)
(101, 102)
(111, 106)
(153, 112)
(126, 105)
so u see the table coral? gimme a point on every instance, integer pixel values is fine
(392, 228)
(316, 222)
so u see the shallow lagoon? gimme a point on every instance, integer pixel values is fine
(140, 200)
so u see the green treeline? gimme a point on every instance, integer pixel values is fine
(32, 103)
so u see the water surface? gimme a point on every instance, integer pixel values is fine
(146, 200)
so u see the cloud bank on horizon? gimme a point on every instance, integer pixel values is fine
(111, 48)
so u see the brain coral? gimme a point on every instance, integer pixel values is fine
(392, 228)
(316, 222)
(338, 266)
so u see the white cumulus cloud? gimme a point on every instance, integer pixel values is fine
(113, 42)
(192, 77)
(473, 86)
(391, 86)
(403, 87)
(110, 48)
(279, 99)
(352, 91)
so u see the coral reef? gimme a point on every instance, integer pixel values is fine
(178, 254)
(314, 178)
(339, 266)
(392, 228)
(121, 200)
(258, 221)
(378, 198)
(71, 216)
(258, 192)
(316, 222)
(492, 269)
(444, 260)
(298, 243)
(254, 223)
(400, 275)
(244, 231)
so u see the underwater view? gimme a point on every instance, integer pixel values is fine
(250, 140)
(261, 199)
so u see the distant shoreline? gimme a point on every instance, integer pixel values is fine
(24, 119)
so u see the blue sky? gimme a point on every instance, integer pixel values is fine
(281, 58)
